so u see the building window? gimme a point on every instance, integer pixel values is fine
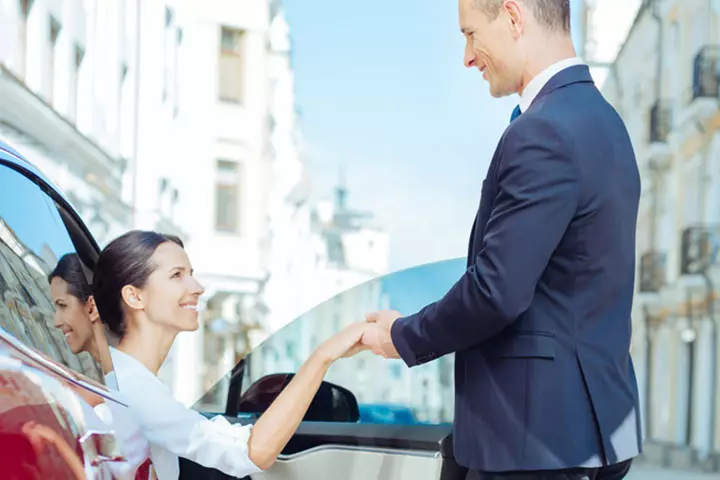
(176, 71)
(123, 109)
(169, 59)
(24, 6)
(75, 83)
(227, 197)
(231, 65)
(54, 34)
(171, 52)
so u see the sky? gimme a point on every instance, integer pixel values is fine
(383, 93)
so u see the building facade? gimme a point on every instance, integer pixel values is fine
(664, 83)
(599, 31)
(65, 76)
(207, 110)
(173, 116)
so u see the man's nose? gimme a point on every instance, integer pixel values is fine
(469, 59)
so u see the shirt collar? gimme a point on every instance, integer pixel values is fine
(538, 82)
(126, 361)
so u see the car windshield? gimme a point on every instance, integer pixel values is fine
(386, 390)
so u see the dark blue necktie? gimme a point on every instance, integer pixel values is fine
(515, 113)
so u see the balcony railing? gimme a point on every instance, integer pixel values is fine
(706, 72)
(660, 122)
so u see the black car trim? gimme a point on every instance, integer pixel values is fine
(53, 193)
(309, 435)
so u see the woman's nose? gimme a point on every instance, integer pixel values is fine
(197, 289)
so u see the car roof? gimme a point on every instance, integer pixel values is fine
(13, 157)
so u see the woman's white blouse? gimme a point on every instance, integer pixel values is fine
(173, 430)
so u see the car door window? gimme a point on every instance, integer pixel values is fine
(387, 391)
(33, 244)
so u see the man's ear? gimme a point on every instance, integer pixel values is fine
(516, 14)
(132, 297)
(91, 309)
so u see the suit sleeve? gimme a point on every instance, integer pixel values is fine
(537, 196)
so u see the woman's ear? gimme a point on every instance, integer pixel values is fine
(132, 297)
(91, 309)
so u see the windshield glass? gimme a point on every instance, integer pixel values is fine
(386, 390)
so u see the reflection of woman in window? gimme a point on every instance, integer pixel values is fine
(75, 312)
(33, 330)
(146, 294)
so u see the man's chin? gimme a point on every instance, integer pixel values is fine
(498, 93)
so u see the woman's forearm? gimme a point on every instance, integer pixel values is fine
(277, 425)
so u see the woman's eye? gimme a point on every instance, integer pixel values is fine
(176, 275)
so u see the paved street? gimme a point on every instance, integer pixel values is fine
(653, 473)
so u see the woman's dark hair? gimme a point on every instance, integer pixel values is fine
(124, 261)
(70, 269)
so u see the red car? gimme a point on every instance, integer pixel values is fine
(54, 403)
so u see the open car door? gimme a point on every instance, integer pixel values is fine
(372, 419)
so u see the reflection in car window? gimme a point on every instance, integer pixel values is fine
(32, 242)
(387, 391)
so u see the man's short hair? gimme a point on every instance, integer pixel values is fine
(554, 14)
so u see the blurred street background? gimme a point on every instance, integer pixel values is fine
(304, 148)
(655, 473)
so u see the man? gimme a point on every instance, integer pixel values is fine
(540, 321)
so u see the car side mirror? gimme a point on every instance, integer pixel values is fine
(332, 403)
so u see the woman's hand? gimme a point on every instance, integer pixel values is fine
(346, 343)
(276, 426)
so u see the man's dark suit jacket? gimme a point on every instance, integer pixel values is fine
(540, 321)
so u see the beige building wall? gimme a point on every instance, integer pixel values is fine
(670, 107)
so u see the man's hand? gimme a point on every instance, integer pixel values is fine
(378, 337)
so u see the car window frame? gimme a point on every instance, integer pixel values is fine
(87, 249)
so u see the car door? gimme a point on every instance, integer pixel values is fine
(373, 418)
(51, 392)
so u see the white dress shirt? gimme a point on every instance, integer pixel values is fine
(538, 82)
(173, 430)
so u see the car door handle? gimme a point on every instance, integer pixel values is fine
(101, 447)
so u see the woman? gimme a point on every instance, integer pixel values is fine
(76, 315)
(146, 294)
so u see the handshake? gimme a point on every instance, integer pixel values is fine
(373, 334)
